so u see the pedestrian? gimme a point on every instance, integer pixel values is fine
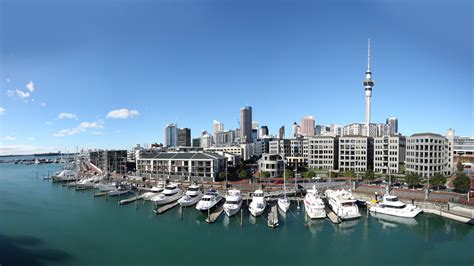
(412, 201)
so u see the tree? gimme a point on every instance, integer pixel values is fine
(462, 183)
(369, 174)
(437, 180)
(413, 179)
(460, 167)
(310, 174)
(289, 174)
(221, 175)
(243, 174)
(265, 174)
(349, 173)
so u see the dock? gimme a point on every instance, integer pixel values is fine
(214, 215)
(332, 216)
(273, 217)
(166, 207)
(80, 188)
(130, 200)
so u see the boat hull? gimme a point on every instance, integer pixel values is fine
(168, 199)
(404, 213)
(187, 203)
(231, 211)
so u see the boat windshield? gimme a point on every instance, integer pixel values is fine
(258, 194)
(170, 187)
(232, 202)
(347, 204)
(206, 199)
(391, 199)
(193, 189)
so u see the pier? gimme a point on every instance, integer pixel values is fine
(332, 216)
(130, 200)
(100, 194)
(214, 215)
(166, 207)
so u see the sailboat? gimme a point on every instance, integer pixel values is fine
(284, 203)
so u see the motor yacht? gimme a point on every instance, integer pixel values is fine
(314, 205)
(171, 193)
(391, 205)
(258, 204)
(342, 203)
(192, 196)
(209, 201)
(119, 190)
(233, 202)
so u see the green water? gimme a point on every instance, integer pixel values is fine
(46, 224)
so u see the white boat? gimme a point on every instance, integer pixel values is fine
(209, 201)
(314, 205)
(342, 203)
(233, 202)
(171, 193)
(105, 187)
(258, 204)
(65, 175)
(284, 203)
(120, 190)
(192, 196)
(391, 205)
(149, 195)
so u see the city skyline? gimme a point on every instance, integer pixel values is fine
(112, 98)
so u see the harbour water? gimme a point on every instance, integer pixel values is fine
(47, 224)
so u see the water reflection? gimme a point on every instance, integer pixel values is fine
(390, 221)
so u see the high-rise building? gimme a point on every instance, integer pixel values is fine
(217, 127)
(184, 137)
(264, 131)
(427, 154)
(255, 126)
(307, 126)
(356, 153)
(392, 125)
(281, 132)
(225, 137)
(246, 124)
(389, 154)
(206, 140)
(368, 84)
(323, 153)
(171, 135)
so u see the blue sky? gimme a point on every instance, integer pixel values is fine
(196, 61)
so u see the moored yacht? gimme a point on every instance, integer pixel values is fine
(192, 196)
(209, 201)
(314, 205)
(171, 193)
(120, 190)
(342, 203)
(391, 205)
(258, 204)
(233, 202)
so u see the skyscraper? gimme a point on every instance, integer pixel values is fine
(307, 126)
(392, 123)
(255, 126)
(184, 137)
(282, 132)
(368, 84)
(171, 135)
(295, 130)
(246, 124)
(217, 127)
(264, 130)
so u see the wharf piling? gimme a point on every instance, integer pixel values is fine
(130, 200)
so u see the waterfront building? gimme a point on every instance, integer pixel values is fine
(463, 149)
(427, 155)
(280, 146)
(171, 135)
(355, 153)
(246, 124)
(177, 165)
(132, 153)
(307, 126)
(245, 150)
(389, 154)
(184, 137)
(392, 124)
(271, 164)
(110, 161)
(323, 153)
(233, 159)
(359, 129)
(217, 127)
(264, 131)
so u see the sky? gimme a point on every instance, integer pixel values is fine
(112, 74)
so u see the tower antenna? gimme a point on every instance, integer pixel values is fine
(368, 55)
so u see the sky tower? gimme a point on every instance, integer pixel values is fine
(368, 84)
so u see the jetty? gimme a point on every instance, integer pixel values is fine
(130, 200)
(273, 217)
(332, 216)
(214, 215)
(165, 207)
(100, 194)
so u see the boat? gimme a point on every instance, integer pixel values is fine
(65, 176)
(171, 193)
(209, 201)
(342, 203)
(149, 195)
(233, 202)
(105, 187)
(273, 217)
(391, 205)
(192, 196)
(258, 204)
(120, 190)
(284, 203)
(314, 205)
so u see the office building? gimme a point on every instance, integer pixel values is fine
(246, 124)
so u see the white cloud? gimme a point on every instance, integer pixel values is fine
(79, 129)
(67, 116)
(30, 86)
(22, 94)
(9, 138)
(43, 104)
(31, 138)
(25, 149)
(2, 110)
(10, 93)
(122, 114)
